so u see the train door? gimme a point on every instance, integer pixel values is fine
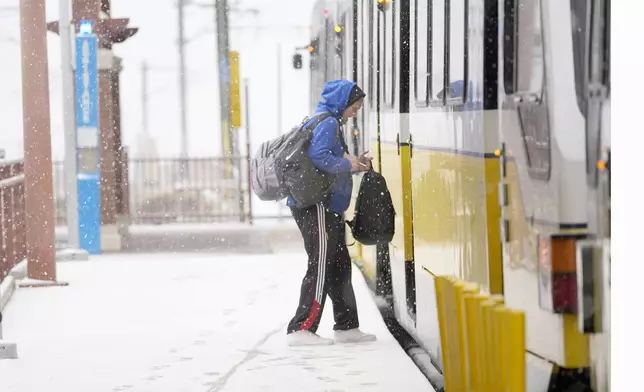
(397, 87)
(394, 157)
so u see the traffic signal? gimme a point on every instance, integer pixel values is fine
(383, 5)
(297, 61)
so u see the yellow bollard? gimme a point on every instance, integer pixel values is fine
(441, 284)
(489, 378)
(451, 333)
(515, 380)
(475, 337)
(461, 289)
(501, 331)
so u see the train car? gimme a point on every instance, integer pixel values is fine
(473, 116)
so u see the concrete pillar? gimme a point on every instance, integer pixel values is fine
(123, 211)
(39, 203)
(110, 237)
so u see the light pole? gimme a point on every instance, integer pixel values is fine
(182, 92)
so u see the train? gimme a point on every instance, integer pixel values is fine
(490, 121)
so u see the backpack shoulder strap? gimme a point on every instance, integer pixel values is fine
(344, 144)
(321, 117)
(318, 119)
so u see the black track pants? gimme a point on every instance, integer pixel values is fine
(329, 271)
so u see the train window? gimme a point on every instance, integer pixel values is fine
(509, 39)
(438, 46)
(369, 9)
(389, 54)
(457, 52)
(530, 74)
(529, 49)
(590, 22)
(524, 76)
(606, 42)
(422, 52)
(580, 20)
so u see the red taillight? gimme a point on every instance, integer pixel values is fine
(564, 293)
(557, 270)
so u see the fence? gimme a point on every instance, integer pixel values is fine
(165, 190)
(12, 216)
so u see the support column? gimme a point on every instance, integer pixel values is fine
(39, 203)
(110, 237)
(123, 211)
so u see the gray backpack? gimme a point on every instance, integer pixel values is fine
(281, 168)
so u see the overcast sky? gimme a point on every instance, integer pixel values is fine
(283, 21)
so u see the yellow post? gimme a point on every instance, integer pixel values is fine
(461, 289)
(516, 371)
(234, 97)
(442, 284)
(475, 339)
(235, 92)
(451, 335)
(490, 362)
(501, 335)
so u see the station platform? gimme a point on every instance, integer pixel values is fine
(189, 322)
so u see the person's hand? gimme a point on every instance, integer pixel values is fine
(355, 163)
(365, 160)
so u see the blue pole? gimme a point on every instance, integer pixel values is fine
(88, 140)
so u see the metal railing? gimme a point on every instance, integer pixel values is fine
(157, 191)
(161, 193)
(12, 216)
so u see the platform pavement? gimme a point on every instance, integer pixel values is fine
(189, 322)
(239, 238)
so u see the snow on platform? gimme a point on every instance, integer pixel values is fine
(189, 322)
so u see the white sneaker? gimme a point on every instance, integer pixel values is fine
(353, 336)
(306, 338)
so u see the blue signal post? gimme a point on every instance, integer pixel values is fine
(88, 140)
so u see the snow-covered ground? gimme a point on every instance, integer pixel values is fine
(189, 322)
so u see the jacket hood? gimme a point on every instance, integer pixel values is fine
(334, 97)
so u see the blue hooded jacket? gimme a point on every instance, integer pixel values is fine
(326, 151)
